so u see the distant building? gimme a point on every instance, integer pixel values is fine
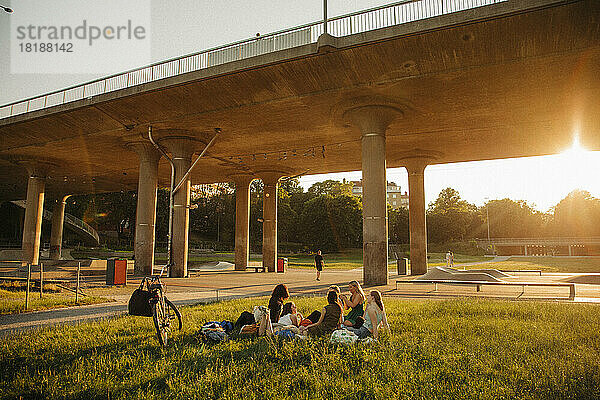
(395, 197)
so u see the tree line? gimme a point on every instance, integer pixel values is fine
(329, 217)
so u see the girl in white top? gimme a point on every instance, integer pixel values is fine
(375, 318)
(291, 316)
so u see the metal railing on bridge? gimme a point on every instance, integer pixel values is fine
(363, 21)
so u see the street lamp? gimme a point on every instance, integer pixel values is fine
(8, 10)
(487, 213)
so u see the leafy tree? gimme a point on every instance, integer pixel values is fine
(449, 217)
(290, 187)
(107, 212)
(577, 215)
(214, 218)
(398, 231)
(331, 187)
(331, 223)
(513, 218)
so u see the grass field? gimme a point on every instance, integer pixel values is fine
(458, 349)
(12, 298)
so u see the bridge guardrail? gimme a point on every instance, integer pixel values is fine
(358, 22)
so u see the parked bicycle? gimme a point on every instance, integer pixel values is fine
(151, 301)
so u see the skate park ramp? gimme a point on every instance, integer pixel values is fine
(590, 279)
(213, 266)
(451, 274)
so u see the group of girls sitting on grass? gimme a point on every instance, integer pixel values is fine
(364, 321)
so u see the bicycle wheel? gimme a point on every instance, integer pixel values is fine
(175, 310)
(161, 323)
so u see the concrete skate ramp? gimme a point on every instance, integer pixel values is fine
(213, 266)
(590, 279)
(451, 274)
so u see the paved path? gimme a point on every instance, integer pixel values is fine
(206, 286)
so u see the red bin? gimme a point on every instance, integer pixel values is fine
(116, 272)
(282, 264)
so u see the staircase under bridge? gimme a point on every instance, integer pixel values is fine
(74, 224)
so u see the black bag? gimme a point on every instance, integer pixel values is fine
(314, 316)
(245, 318)
(139, 303)
(359, 322)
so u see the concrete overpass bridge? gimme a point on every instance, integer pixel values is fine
(407, 85)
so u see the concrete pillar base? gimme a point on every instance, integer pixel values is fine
(269, 249)
(34, 209)
(415, 162)
(242, 220)
(56, 235)
(373, 120)
(145, 219)
(416, 217)
(182, 148)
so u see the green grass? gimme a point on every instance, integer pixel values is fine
(12, 299)
(457, 349)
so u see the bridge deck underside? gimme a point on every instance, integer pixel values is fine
(489, 88)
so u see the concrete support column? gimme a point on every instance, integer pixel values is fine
(181, 149)
(34, 209)
(373, 120)
(525, 247)
(416, 216)
(242, 221)
(269, 247)
(56, 234)
(145, 219)
(570, 250)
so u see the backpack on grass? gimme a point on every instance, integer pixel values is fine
(139, 303)
(213, 332)
(245, 318)
(343, 336)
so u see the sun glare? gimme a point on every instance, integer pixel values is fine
(575, 150)
(578, 163)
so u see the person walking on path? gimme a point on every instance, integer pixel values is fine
(448, 255)
(319, 263)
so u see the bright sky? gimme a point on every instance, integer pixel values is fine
(180, 27)
(541, 181)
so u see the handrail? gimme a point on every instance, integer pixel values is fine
(70, 219)
(396, 13)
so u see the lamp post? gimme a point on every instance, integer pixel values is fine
(325, 16)
(487, 213)
(8, 10)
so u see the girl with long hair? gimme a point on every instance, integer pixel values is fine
(355, 302)
(375, 317)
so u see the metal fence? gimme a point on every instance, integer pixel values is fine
(363, 21)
